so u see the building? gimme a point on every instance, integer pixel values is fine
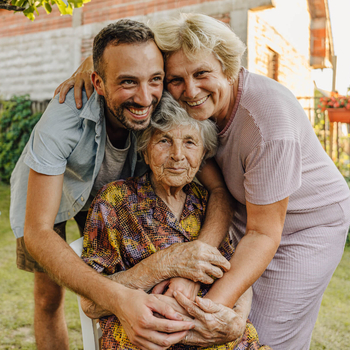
(285, 39)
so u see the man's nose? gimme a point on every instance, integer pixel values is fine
(143, 96)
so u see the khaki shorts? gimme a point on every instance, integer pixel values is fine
(26, 262)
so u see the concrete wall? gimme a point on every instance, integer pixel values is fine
(35, 57)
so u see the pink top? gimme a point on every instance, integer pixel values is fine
(269, 151)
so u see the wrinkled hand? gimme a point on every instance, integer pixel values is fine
(174, 304)
(214, 323)
(196, 261)
(80, 78)
(187, 287)
(136, 313)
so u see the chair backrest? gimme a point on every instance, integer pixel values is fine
(90, 328)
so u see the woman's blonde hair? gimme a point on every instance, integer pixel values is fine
(194, 34)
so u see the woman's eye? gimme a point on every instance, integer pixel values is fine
(202, 72)
(175, 81)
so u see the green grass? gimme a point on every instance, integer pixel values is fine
(16, 298)
(16, 290)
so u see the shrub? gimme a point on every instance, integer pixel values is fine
(16, 123)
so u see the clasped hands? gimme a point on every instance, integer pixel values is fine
(175, 272)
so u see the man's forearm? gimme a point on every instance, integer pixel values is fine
(67, 269)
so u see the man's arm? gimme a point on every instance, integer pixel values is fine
(220, 209)
(60, 261)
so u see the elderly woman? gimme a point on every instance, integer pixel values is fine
(292, 204)
(133, 219)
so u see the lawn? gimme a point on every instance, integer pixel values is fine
(332, 329)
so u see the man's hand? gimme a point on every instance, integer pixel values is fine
(80, 78)
(214, 323)
(136, 312)
(187, 287)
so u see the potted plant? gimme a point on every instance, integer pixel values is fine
(337, 106)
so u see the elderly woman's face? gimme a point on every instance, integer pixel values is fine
(175, 156)
(199, 85)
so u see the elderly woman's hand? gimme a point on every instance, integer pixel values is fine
(81, 78)
(196, 261)
(214, 323)
(187, 287)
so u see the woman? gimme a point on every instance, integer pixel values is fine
(292, 204)
(132, 219)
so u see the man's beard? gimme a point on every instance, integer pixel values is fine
(118, 114)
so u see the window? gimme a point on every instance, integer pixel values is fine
(272, 64)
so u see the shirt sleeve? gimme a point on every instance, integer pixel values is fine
(273, 171)
(53, 139)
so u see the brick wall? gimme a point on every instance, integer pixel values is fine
(265, 34)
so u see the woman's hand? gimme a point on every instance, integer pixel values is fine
(196, 261)
(80, 78)
(187, 287)
(214, 323)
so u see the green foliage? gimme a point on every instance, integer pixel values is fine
(16, 124)
(66, 7)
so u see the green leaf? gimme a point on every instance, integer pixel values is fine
(47, 7)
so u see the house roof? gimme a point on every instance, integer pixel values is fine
(321, 45)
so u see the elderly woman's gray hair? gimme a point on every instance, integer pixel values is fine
(195, 33)
(169, 115)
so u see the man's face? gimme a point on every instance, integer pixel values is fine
(133, 83)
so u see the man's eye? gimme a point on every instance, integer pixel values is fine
(128, 82)
(163, 141)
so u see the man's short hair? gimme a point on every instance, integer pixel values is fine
(124, 31)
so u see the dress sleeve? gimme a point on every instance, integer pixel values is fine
(102, 237)
(272, 171)
(53, 139)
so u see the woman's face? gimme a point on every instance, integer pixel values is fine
(175, 156)
(199, 85)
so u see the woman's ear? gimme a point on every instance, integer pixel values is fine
(145, 157)
(98, 83)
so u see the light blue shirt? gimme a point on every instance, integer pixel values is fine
(70, 141)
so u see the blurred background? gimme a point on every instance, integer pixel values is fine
(303, 44)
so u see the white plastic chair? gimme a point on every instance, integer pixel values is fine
(90, 328)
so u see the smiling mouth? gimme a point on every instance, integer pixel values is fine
(140, 112)
(197, 103)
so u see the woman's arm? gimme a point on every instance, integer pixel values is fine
(253, 253)
(81, 78)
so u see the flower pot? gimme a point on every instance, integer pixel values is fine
(341, 115)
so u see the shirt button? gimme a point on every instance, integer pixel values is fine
(82, 198)
(73, 209)
(68, 213)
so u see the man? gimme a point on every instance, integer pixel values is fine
(70, 155)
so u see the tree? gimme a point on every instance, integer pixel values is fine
(29, 7)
